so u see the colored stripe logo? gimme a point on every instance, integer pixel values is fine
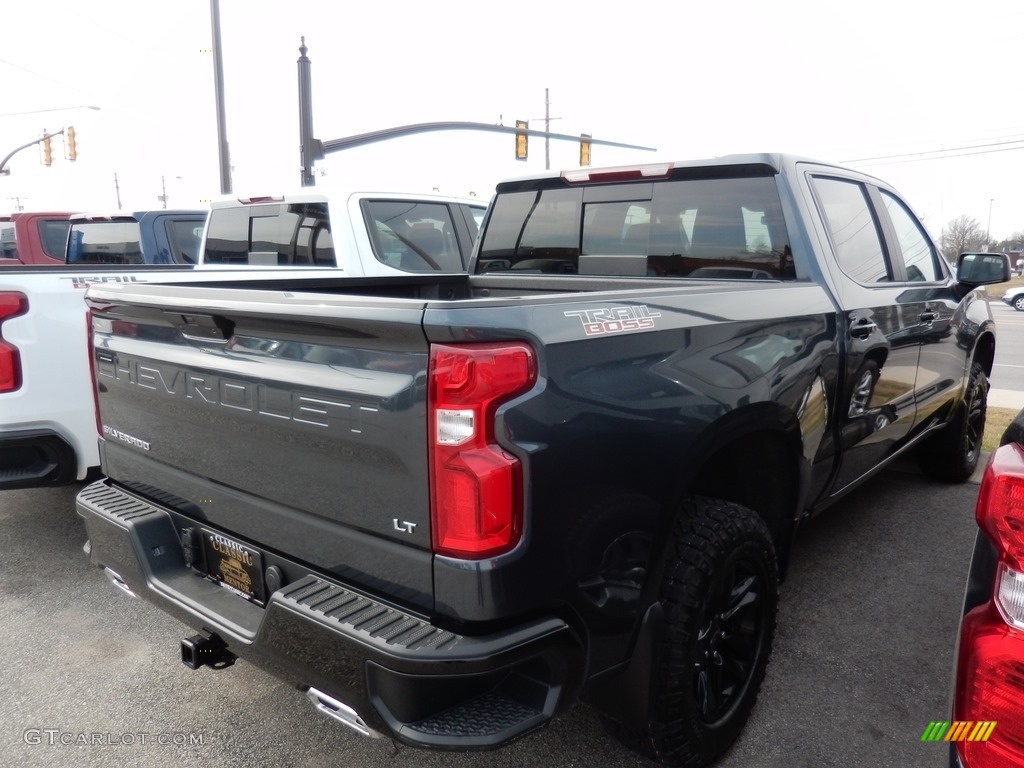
(959, 730)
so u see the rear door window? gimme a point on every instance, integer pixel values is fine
(854, 232)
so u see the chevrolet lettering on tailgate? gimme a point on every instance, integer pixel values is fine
(255, 397)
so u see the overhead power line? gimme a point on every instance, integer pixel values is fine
(37, 74)
(939, 154)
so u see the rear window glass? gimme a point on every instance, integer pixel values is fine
(701, 228)
(104, 242)
(413, 236)
(287, 234)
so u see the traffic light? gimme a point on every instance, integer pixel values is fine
(47, 151)
(521, 138)
(584, 149)
(69, 143)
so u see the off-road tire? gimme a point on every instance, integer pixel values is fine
(952, 455)
(719, 596)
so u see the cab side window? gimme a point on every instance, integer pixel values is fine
(54, 237)
(919, 256)
(413, 236)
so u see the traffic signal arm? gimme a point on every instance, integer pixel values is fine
(4, 170)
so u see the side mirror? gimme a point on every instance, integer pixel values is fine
(982, 268)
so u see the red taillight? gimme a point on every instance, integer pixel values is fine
(1000, 510)
(990, 667)
(475, 486)
(11, 305)
(990, 687)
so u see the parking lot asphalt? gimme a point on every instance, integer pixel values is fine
(862, 660)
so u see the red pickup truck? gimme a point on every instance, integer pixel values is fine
(33, 238)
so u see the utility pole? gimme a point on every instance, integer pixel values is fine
(547, 129)
(988, 229)
(218, 89)
(163, 196)
(117, 191)
(17, 203)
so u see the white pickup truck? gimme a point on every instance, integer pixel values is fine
(48, 427)
(384, 233)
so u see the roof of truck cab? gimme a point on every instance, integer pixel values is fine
(137, 215)
(326, 194)
(13, 215)
(777, 161)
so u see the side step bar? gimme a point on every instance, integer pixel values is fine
(343, 713)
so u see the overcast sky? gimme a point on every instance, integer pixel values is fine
(933, 92)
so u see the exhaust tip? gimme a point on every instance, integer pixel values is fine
(117, 581)
(343, 713)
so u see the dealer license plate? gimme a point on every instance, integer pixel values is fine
(234, 565)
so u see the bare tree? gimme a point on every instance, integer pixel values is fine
(1012, 243)
(963, 233)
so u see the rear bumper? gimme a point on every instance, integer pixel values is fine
(35, 458)
(427, 686)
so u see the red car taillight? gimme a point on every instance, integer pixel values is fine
(476, 503)
(11, 305)
(990, 668)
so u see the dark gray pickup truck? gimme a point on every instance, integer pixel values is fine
(448, 507)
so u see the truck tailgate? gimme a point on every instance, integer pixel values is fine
(230, 406)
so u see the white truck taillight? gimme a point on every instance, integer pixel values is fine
(476, 504)
(990, 669)
(11, 305)
(91, 351)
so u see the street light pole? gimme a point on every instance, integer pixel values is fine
(309, 148)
